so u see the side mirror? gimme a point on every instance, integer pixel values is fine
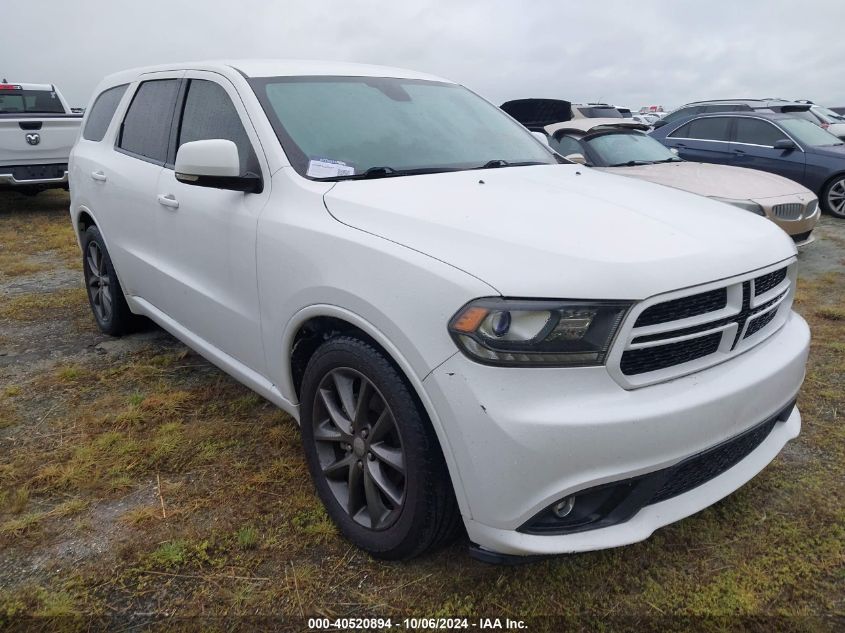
(576, 158)
(214, 163)
(659, 123)
(785, 144)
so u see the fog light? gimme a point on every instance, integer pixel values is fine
(563, 508)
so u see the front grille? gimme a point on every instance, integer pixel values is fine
(765, 283)
(684, 308)
(760, 322)
(708, 465)
(790, 211)
(645, 359)
(712, 325)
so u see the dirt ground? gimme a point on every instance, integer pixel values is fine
(139, 485)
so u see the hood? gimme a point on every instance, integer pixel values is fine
(562, 231)
(831, 151)
(722, 181)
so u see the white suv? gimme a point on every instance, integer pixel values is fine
(468, 328)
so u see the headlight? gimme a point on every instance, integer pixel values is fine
(746, 205)
(540, 333)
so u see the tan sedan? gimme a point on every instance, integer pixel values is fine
(622, 147)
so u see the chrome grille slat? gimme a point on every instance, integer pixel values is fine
(788, 211)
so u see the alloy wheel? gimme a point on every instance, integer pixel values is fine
(359, 448)
(99, 282)
(836, 197)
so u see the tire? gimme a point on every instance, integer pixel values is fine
(833, 197)
(359, 480)
(105, 296)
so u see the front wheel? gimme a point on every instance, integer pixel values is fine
(373, 456)
(833, 197)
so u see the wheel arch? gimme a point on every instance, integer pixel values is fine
(823, 190)
(314, 324)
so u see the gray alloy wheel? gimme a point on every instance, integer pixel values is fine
(359, 448)
(836, 198)
(99, 282)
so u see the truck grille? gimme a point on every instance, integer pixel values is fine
(683, 334)
(790, 211)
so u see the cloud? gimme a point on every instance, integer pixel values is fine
(623, 52)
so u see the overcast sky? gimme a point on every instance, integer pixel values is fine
(629, 53)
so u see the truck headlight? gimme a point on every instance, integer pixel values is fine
(519, 332)
(746, 205)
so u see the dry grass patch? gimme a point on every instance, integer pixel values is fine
(44, 305)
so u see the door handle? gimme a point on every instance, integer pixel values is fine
(168, 200)
(739, 151)
(98, 175)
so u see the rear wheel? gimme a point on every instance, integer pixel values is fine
(833, 197)
(373, 456)
(104, 292)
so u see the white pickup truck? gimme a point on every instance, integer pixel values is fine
(37, 131)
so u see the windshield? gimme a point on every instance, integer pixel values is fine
(808, 134)
(623, 148)
(828, 115)
(34, 101)
(341, 127)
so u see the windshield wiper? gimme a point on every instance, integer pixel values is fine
(633, 163)
(388, 172)
(498, 162)
(674, 159)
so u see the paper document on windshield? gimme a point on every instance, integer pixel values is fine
(327, 168)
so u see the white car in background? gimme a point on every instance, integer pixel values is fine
(469, 329)
(830, 120)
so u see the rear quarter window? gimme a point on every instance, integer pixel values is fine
(146, 127)
(102, 112)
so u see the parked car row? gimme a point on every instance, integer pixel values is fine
(778, 143)
(625, 149)
(470, 329)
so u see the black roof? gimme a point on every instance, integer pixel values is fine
(535, 114)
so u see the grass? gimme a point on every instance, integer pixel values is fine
(193, 494)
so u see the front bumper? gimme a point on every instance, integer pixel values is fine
(525, 438)
(799, 229)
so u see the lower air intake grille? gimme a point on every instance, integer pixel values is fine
(705, 466)
(645, 359)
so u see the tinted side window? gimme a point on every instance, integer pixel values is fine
(708, 129)
(146, 128)
(757, 132)
(677, 115)
(566, 145)
(102, 112)
(210, 114)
